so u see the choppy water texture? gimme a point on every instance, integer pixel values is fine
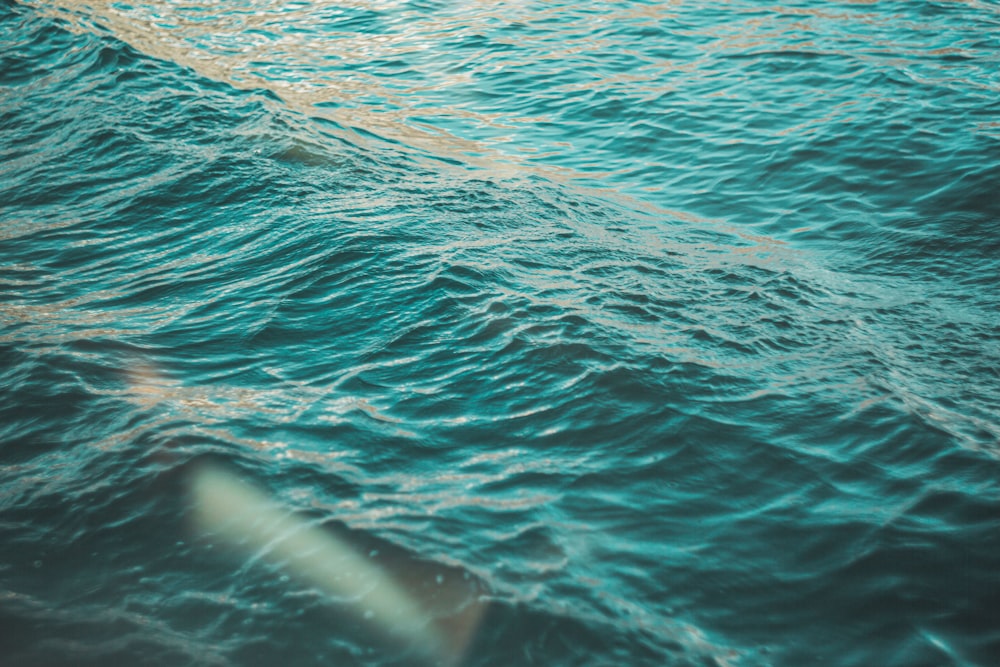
(654, 334)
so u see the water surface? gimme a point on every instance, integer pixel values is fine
(616, 333)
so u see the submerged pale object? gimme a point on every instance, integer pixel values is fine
(242, 516)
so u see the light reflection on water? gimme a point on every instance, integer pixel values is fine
(436, 79)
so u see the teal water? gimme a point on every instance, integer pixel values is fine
(610, 333)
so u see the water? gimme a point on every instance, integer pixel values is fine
(608, 333)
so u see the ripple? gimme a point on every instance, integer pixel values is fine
(669, 331)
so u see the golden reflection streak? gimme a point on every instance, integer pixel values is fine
(265, 44)
(249, 46)
(241, 43)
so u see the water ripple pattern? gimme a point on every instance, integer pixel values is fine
(604, 333)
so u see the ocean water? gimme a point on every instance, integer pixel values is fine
(499, 333)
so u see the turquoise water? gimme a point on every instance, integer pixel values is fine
(599, 333)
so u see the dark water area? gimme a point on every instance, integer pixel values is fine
(519, 333)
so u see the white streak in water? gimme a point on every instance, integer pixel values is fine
(242, 516)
